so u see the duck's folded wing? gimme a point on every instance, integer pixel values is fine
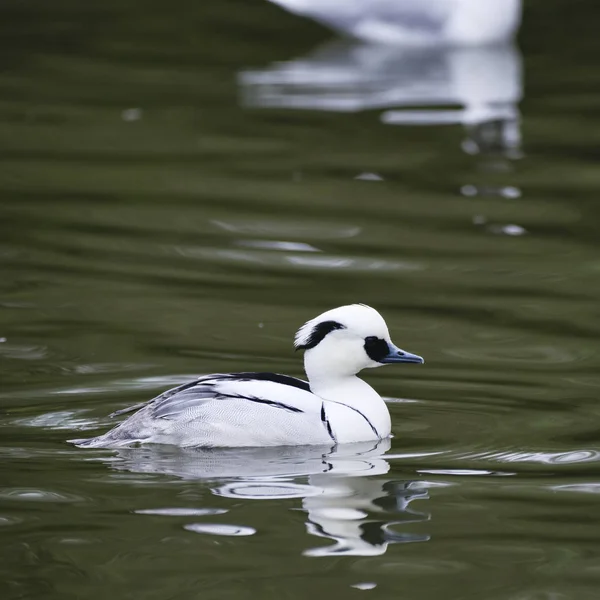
(157, 399)
(268, 389)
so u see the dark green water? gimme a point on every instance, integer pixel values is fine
(142, 213)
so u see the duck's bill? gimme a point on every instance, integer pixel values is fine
(396, 355)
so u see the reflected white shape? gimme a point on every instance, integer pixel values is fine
(275, 245)
(366, 585)
(478, 87)
(303, 260)
(220, 529)
(510, 229)
(508, 191)
(307, 230)
(355, 526)
(466, 472)
(415, 22)
(484, 82)
(585, 488)
(369, 177)
(343, 491)
(548, 458)
(181, 512)
(61, 419)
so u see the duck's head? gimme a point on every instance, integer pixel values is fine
(343, 341)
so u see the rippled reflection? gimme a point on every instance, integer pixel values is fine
(484, 84)
(478, 87)
(345, 497)
(284, 255)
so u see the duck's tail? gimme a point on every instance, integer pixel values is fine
(103, 441)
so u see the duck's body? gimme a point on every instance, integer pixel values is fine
(249, 409)
(267, 409)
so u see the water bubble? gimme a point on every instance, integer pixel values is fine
(131, 114)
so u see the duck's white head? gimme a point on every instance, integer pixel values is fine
(343, 341)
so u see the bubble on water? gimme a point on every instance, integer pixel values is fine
(511, 192)
(131, 114)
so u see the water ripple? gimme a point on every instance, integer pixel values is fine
(548, 458)
(520, 353)
(7, 521)
(220, 529)
(36, 495)
(313, 231)
(62, 419)
(24, 351)
(301, 260)
(262, 490)
(585, 488)
(181, 512)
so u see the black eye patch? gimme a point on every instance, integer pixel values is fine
(376, 348)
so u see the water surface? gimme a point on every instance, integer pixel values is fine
(157, 225)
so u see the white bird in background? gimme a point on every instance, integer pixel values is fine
(415, 22)
(267, 409)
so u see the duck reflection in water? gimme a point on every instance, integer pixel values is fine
(344, 490)
(422, 75)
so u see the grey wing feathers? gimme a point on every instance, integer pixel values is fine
(176, 401)
(175, 404)
(158, 400)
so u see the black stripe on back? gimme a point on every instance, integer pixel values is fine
(274, 377)
(272, 403)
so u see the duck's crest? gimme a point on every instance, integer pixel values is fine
(313, 331)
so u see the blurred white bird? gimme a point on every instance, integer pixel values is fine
(415, 22)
